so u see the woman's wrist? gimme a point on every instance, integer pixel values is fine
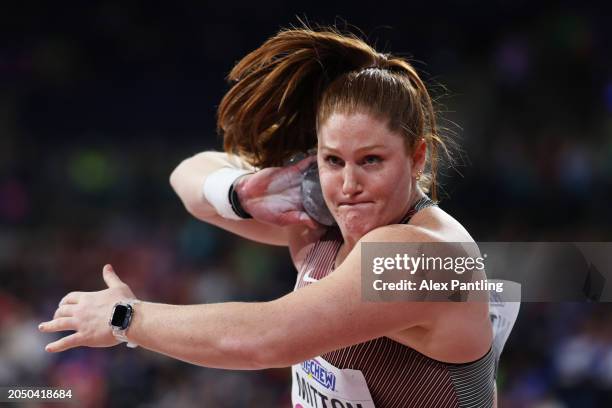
(236, 200)
(241, 192)
(219, 191)
(136, 320)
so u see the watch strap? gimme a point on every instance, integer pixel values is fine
(120, 334)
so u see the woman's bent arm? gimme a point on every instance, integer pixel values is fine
(188, 179)
(189, 176)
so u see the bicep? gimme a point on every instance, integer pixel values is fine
(330, 314)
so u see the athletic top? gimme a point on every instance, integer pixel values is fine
(396, 375)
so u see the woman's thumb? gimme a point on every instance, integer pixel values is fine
(110, 277)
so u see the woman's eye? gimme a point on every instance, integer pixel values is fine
(333, 160)
(372, 159)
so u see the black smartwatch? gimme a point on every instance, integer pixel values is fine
(120, 320)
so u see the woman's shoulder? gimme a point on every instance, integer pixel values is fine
(431, 224)
(469, 319)
(437, 224)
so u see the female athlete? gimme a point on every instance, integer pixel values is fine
(371, 120)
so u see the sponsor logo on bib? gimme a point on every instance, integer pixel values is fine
(318, 384)
(316, 371)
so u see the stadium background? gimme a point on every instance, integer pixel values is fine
(100, 101)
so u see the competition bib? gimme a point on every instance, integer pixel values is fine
(318, 384)
(503, 313)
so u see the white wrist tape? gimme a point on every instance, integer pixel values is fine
(216, 190)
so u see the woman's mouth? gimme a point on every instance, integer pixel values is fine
(354, 204)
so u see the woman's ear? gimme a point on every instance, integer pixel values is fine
(419, 156)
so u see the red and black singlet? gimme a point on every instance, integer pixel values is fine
(397, 375)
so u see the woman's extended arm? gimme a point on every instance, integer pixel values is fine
(324, 316)
(271, 196)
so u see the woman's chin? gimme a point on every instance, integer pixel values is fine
(355, 227)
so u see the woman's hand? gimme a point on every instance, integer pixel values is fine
(87, 314)
(274, 194)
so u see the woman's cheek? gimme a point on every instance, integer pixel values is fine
(328, 186)
(392, 180)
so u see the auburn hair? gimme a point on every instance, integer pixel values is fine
(289, 86)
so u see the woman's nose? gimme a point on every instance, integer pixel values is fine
(351, 184)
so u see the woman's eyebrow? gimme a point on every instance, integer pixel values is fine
(363, 148)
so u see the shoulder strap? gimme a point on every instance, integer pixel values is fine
(417, 206)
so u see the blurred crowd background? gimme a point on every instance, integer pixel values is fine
(99, 101)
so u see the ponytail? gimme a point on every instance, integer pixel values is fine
(270, 112)
(293, 82)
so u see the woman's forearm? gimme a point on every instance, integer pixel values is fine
(188, 179)
(228, 335)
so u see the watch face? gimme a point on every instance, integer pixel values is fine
(119, 316)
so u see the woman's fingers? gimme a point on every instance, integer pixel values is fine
(59, 324)
(309, 221)
(86, 313)
(110, 277)
(65, 343)
(274, 195)
(66, 310)
(303, 164)
(272, 180)
(71, 298)
(296, 172)
(284, 178)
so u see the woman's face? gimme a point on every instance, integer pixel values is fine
(366, 174)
